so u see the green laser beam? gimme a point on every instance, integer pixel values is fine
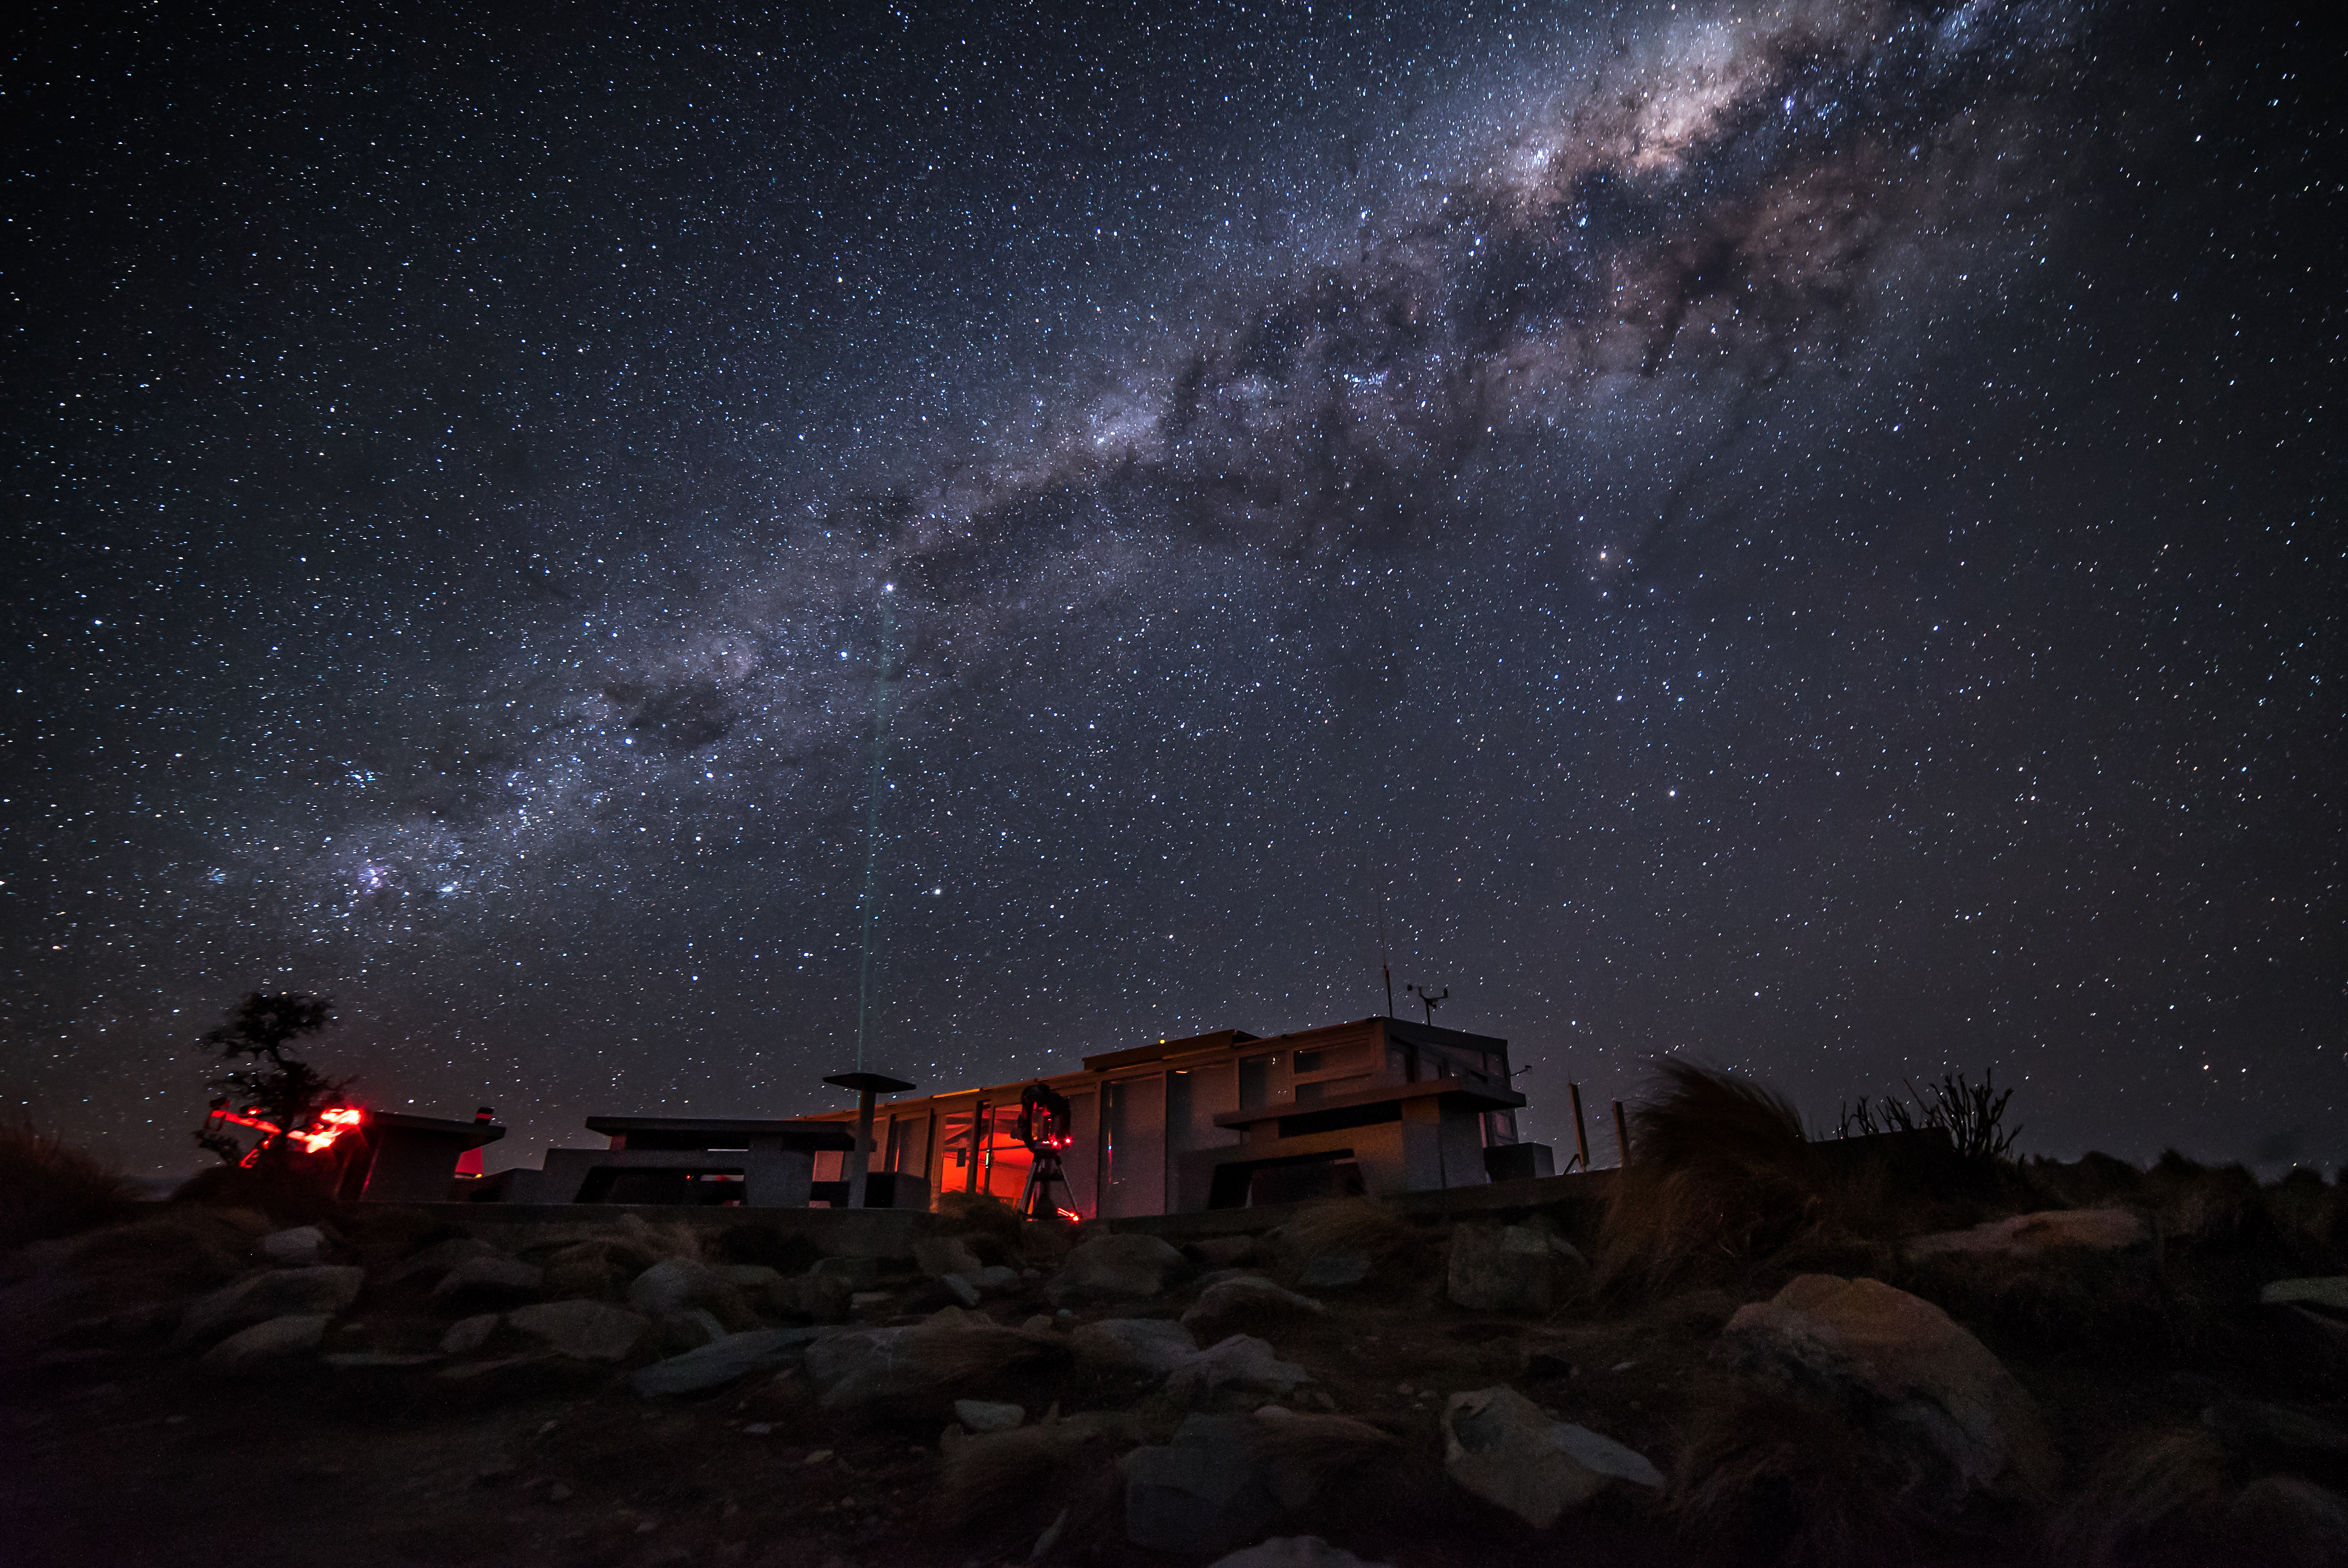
(870, 897)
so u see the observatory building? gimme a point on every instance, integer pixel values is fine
(1222, 1120)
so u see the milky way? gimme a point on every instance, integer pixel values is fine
(1799, 535)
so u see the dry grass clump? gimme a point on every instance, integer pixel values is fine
(1773, 1478)
(1720, 1169)
(1343, 1227)
(2142, 1501)
(49, 1188)
(1002, 1493)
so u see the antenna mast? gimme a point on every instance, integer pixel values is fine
(1385, 970)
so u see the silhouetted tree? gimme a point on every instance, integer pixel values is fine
(286, 1093)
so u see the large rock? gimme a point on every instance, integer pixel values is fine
(1147, 1345)
(439, 1259)
(1521, 1270)
(582, 1330)
(1501, 1446)
(924, 1366)
(488, 1282)
(2031, 1236)
(722, 1362)
(996, 1279)
(1242, 1362)
(1126, 1267)
(1201, 1492)
(1293, 1552)
(300, 1247)
(256, 1298)
(985, 1416)
(672, 1286)
(1246, 1301)
(265, 1344)
(939, 1255)
(827, 1291)
(2324, 1293)
(469, 1334)
(1899, 1363)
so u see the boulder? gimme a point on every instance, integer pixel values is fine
(1200, 1493)
(1293, 1552)
(1334, 1271)
(826, 1292)
(1241, 1362)
(939, 1255)
(857, 1273)
(984, 1416)
(1521, 1270)
(2288, 1522)
(1901, 1365)
(439, 1259)
(2252, 1426)
(2323, 1292)
(1125, 1267)
(582, 1330)
(671, 1286)
(2031, 1236)
(1245, 1300)
(469, 1335)
(300, 1247)
(756, 1278)
(960, 1289)
(324, 1288)
(488, 1281)
(1224, 1251)
(723, 1360)
(922, 1365)
(996, 1279)
(1151, 1345)
(265, 1344)
(1501, 1446)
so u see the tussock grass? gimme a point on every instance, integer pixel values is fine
(1357, 1226)
(1720, 1169)
(1771, 1479)
(1003, 1491)
(49, 1189)
(1297, 1452)
(2139, 1495)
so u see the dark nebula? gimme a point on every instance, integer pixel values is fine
(1807, 536)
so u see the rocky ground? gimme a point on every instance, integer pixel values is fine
(2115, 1371)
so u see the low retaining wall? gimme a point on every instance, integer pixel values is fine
(1581, 1195)
(1575, 1200)
(837, 1232)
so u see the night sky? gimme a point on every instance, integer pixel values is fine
(1807, 536)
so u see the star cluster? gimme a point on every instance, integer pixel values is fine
(1805, 535)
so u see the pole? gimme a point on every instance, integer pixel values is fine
(1622, 1133)
(1580, 1132)
(859, 1159)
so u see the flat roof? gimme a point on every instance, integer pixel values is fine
(1483, 1098)
(674, 1131)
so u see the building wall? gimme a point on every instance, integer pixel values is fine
(1134, 1149)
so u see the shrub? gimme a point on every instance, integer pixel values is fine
(1720, 1169)
(50, 1189)
(295, 1189)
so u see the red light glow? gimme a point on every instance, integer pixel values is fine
(314, 1138)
